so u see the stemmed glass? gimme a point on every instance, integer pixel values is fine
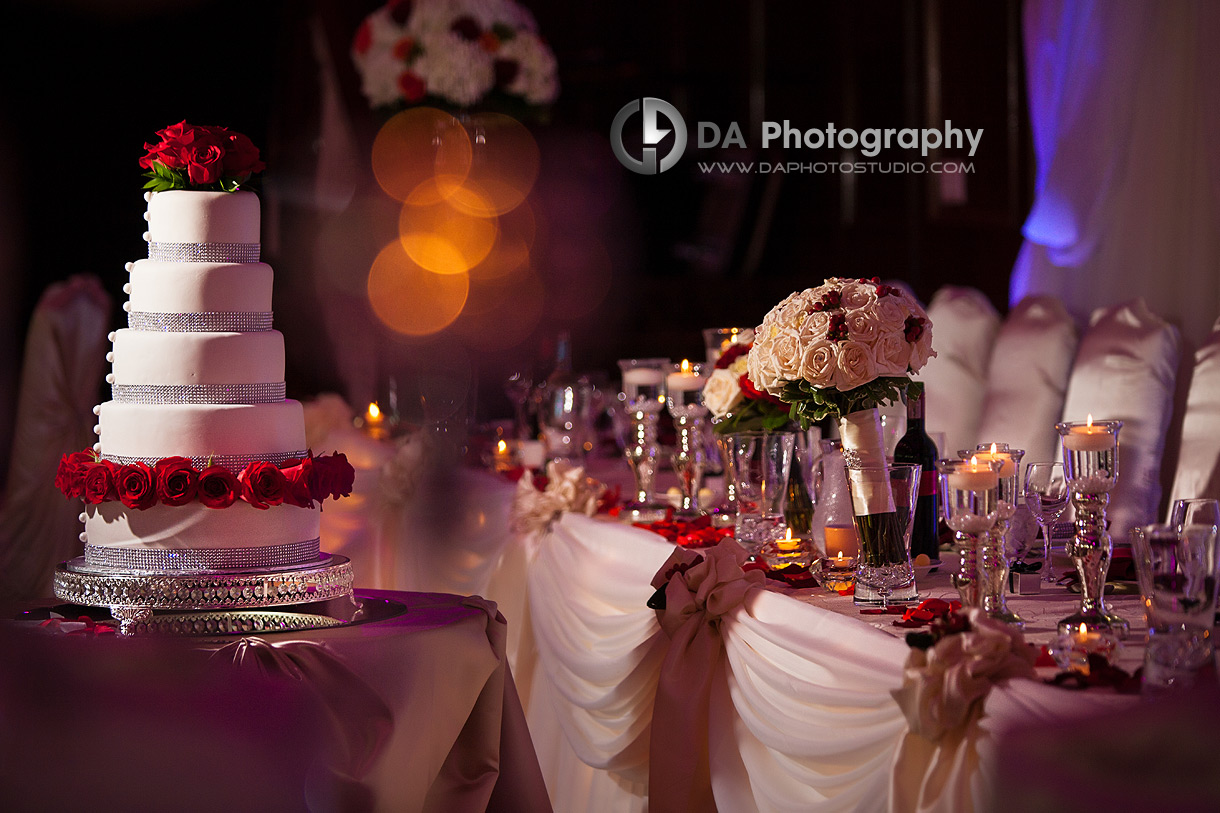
(1198, 511)
(519, 386)
(1046, 496)
(684, 394)
(643, 397)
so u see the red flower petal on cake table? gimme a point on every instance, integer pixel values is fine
(136, 486)
(98, 484)
(411, 86)
(262, 484)
(332, 477)
(218, 487)
(299, 474)
(177, 480)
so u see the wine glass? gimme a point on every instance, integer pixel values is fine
(518, 387)
(1194, 512)
(1046, 496)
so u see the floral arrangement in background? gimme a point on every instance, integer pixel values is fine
(846, 345)
(454, 53)
(176, 481)
(190, 156)
(734, 402)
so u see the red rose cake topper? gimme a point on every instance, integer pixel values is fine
(190, 156)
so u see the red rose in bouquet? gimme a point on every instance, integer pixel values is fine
(333, 476)
(299, 474)
(98, 484)
(70, 476)
(262, 484)
(195, 157)
(218, 487)
(177, 480)
(136, 486)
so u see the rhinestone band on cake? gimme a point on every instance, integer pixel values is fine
(198, 393)
(187, 560)
(214, 321)
(235, 462)
(204, 252)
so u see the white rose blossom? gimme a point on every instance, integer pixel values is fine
(722, 393)
(892, 353)
(819, 364)
(856, 366)
(863, 325)
(892, 313)
(856, 295)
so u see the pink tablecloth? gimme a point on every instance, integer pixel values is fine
(417, 711)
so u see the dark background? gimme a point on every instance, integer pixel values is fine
(87, 83)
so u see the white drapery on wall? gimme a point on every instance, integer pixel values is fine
(1126, 126)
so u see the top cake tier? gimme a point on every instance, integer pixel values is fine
(203, 217)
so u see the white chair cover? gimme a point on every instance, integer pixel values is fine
(1125, 370)
(1198, 472)
(964, 327)
(65, 356)
(1028, 376)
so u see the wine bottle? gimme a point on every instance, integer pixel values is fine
(916, 447)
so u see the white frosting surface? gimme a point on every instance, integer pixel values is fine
(162, 287)
(155, 357)
(195, 526)
(199, 430)
(182, 216)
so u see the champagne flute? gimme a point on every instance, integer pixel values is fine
(1198, 511)
(1046, 496)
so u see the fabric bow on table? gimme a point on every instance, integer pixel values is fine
(567, 489)
(700, 589)
(942, 695)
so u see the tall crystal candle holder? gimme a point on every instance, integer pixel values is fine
(970, 499)
(994, 550)
(643, 399)
(684, 391)
(1090, 465)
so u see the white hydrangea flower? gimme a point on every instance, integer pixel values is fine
(454, 69)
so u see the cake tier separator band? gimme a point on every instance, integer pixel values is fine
(198, 393)
(193, 560)
(235, 462)
(201, 321)
(204, 252)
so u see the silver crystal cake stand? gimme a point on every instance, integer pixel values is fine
(133, 597)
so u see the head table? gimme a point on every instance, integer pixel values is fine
(799, 710)
(412, 710)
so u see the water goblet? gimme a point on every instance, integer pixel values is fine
(1046, 496)
(684, 394)
(643, 398)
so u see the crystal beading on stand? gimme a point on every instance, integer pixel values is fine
(204, 252)
(1090, 464)
(970, 499)
(992, 551)
(212, 321)
(236, 462)
(198, 393)
(643, 396)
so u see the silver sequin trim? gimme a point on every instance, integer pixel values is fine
(204, 252)
(208, 321)
(198, 393)
(190, 559)
(235, 462)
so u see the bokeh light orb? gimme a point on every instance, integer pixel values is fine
(443, 239)
(503, 167)
(410, 299)
(419, 145)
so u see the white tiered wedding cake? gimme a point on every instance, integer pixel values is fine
(201, 463)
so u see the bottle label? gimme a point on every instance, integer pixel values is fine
(927, 483)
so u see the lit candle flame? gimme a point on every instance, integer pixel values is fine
(1090, 424)
(993, 448)
(374, 411)
(502, 447)
(974, 461)
(840, 557)
(1084, 630)
(685, 366)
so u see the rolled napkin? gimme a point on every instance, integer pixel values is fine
(567, 489)
(700, 589)
(942, 696)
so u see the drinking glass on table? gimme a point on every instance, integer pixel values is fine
(1046, 496)
(1194, 512)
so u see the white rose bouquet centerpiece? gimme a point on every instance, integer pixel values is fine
(840, 350)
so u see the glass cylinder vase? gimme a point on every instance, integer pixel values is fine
(761, 464)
